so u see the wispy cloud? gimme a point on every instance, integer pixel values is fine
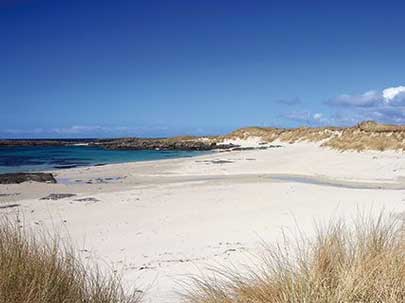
(289, 102)
(386, 106)
(307, 118)
(17, 131)
(83, 131)
(392, 96)
(368, 99)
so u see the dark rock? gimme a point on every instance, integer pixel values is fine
(165, 144)
(10, 195)
(255, 148)
(221, 161)
(216, 161)
(89, 199)
(57, 196)
(65, 166)
(9, 206)
(245, 148)
(16, 178)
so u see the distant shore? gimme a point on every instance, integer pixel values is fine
(367, 135)
(176, 143)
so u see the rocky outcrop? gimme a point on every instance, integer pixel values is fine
(16, 178)
(162, 144)
(176, 143)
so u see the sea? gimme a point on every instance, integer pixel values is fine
(43, 158)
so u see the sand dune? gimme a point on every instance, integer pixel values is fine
(367, 135)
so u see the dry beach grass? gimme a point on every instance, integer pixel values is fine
(367, 135)
(36, 270)
(343, 264)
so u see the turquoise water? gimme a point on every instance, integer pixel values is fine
(24, 159)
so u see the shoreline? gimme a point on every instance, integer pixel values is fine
(57, 168)
(156, 221)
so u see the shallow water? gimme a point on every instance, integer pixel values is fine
(39, 158)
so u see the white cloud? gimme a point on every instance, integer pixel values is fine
(307, 118)
(394, 96)
(317, 116)
(391, 93)
(79, 129)
(367, 99)
(387, 105)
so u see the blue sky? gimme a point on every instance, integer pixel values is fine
(158, 68)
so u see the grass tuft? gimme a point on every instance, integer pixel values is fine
(361, 264)
(33, 270)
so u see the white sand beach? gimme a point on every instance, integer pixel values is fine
(159, 221)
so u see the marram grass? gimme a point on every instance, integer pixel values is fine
(364, 263)
(38, 270)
